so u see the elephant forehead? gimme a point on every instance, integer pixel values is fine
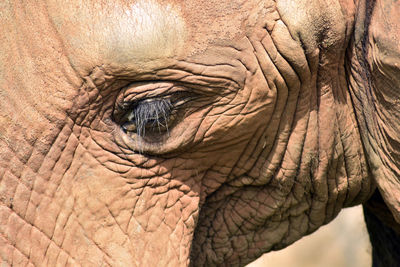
(103, 32)
(133, 32)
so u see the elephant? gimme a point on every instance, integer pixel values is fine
(194, 133)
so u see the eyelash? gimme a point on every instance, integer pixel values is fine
(149, 114)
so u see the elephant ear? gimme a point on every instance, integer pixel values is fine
(374, 79)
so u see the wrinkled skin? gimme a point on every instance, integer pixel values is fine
(289, 114)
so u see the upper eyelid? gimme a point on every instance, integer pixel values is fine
(150, 89)
(131, 94)
(178, 98)
(155, 105)
(174, 100)
(135, 93)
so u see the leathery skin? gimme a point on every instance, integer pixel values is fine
(185, 133)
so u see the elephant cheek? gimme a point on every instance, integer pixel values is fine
(130, 221)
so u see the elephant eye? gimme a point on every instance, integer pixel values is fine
(149, 116)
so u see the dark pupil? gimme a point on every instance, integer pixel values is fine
(152, 115)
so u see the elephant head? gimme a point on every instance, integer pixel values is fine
(203, 133)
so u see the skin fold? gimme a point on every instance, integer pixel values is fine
(191, 133)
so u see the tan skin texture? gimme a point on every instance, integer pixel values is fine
(265, 150)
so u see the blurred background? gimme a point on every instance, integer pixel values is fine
(342, 243)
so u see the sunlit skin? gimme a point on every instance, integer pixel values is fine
(174, 133)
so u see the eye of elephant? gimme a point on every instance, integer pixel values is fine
(150, 115)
